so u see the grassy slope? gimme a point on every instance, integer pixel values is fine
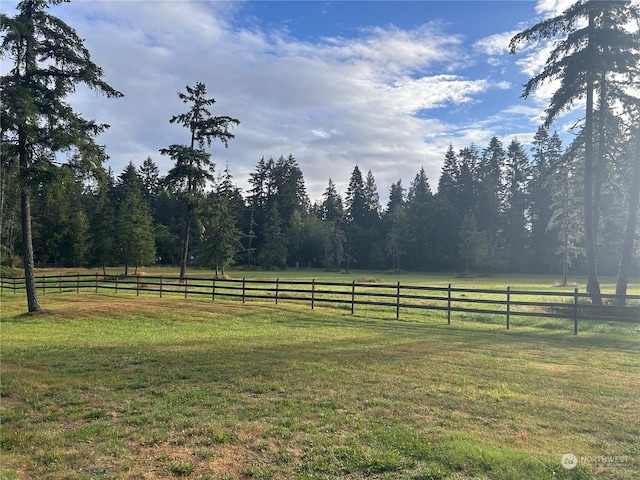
(103, 387)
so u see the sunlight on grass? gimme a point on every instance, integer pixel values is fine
(123, 387)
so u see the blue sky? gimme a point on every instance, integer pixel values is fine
(383, 85)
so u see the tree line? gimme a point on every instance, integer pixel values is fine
(496, 208)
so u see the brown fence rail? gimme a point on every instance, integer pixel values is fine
(508, 303)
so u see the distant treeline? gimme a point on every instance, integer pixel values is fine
(495, 209)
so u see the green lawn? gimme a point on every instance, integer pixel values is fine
(120, 387)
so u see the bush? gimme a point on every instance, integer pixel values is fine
(10, 272)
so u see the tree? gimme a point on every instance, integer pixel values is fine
(149, 175)
(490, 196)
(332, 214)
(419, 210)
(396, 235)
(516, 204)
(594, 51)
(222, 237)
(546, 155)
(566, 220)
(473, 244)
(273, 253)
(134, 224)
(448, 183)
(193, 166)
(48, 61)
(355, 200)
(102, 231)
(632, 218)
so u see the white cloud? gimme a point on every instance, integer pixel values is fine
(551, 8)
(332, 103)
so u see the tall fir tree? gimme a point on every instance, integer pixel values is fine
(193, 165)
(48, 60)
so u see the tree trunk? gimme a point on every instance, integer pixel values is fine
(185, 245)
(632, 216)
(27, 254)
(593, 285)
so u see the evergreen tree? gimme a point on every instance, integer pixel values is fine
(9, 206)
(490, 197)
(149, 175)
(193, 166)
(332, 214)
(102, 232)
(448, 184)
(273, 253)
(467, 182)
(396, 196)
(289, 188)
(419, 206)
(473, 244)
(395, 238)
(546, 154)
(566, 219)
(222, 237)
(134, 224)
(594, 51)
(516, 205)
(332, 209)
(355, 201)
(48, 61)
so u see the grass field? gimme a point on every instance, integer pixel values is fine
(120, 387)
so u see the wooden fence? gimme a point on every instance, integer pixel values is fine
(508, 303)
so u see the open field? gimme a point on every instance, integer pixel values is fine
(111, 387)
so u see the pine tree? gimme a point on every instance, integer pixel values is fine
(596, 49)
(222, 237)
(134, 223)
(273, 253)
(490, 196)
(193, 166)
(517, 175)
(48, 61)
(546, 154)
(419, 218)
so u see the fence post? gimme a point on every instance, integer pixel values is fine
(508, 307)
(353, 296)
(313, 293)
(186, 282)
(96, 282)
(449, 305)
(117, 276)
(575, 311)
(398, 301)
(137, 285)
(59, 283)
(277, 288)
(243, 288)
(77, 283)
(44, 289)
(160, 285)
(213, 288)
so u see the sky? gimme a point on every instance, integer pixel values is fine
(384, 85)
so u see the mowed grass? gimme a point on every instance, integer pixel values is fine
(125, 387)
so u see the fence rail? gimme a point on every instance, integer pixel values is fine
(508, 303)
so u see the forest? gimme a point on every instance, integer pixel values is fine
(495, 208)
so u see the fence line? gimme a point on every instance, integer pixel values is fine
(508, 303)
